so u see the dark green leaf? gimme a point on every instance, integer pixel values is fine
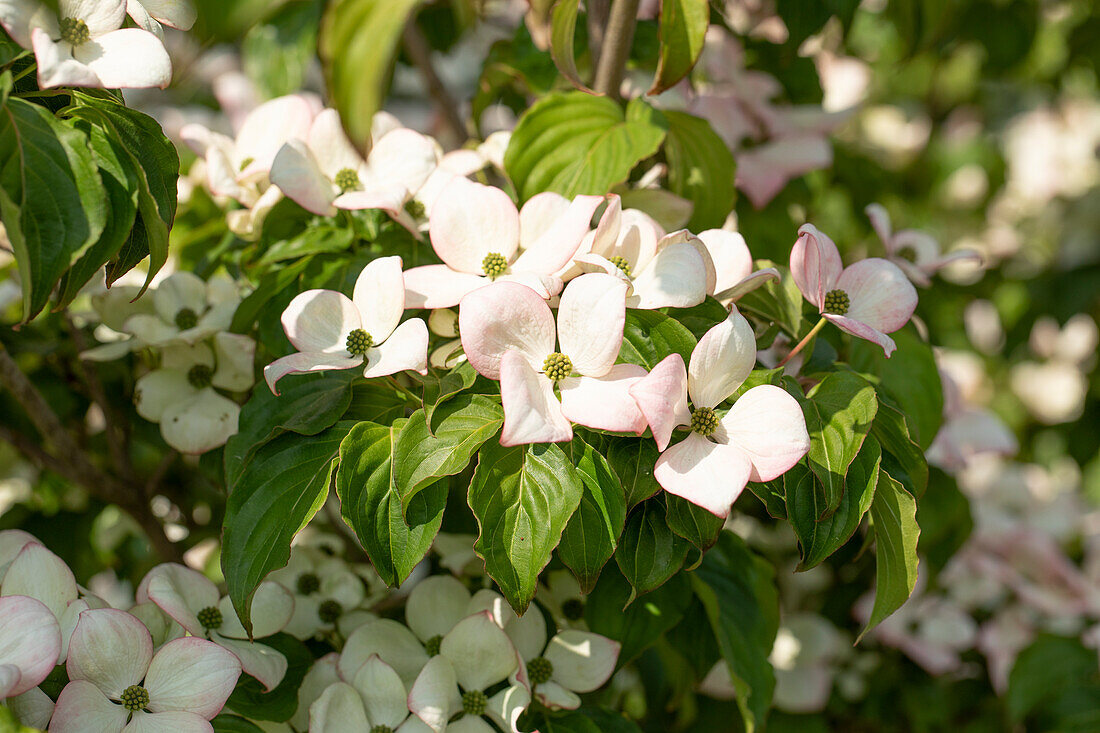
(270, 285)
(902, 457)
(683, 25)
(438, 388)
(563, 26)
(1045, 671)
(650, 336)
(377, 401)
(649, 552)
(773, 495)
(693, 523)
(592, 534)
(700, 168)
(640, 624)
(632, 460)
(775, 302)
(315, 240)
(894, 516)
(226, 723)
(591, 720)
(281, 703)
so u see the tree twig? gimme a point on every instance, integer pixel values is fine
(615, 51)
(598, 11)
(420, 52)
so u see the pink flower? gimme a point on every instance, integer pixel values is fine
(30, 643)
(733, 271)
(332, 331)
(915, 252)
(478, 233)
(117, 683)
(758, 439)
(509, 335)
(868, 299)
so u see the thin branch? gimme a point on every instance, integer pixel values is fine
(616, 47)
(420, 52)
(598, 12)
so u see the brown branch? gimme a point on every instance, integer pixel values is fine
(615, 51)
(598, 12)
(420, 52)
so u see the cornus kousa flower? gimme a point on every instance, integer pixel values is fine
(733, 271)
(152, 14)
(30, 643)
(186, 310)
(332, 331)
(450, 692)
(37, 573)
(192, 600)
(444, 322)
(324, 588)
(915, 252)
(868, 299)
(508, 334)
(758, 439)
(673, 270)
(324, 172)
(84, 44)
(478, 233)
(391, 641)
(181, 395)
(117, 683)
(375, 701)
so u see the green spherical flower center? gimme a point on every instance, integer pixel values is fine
(573, 609)
(308, 583)
(200, 376)
(494, 265)
(622, 264)
(347, 180)
(432, 645)
(210, 617)
(358, 342)
(186, 318)
(134, 698)
(381, 729)
(329, 611)
(74, 31)
(539, 670)
(836, 302)
(557, 366)
(704, 421)
(474, 702)
(415, 209)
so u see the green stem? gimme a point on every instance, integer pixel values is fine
(802, 344)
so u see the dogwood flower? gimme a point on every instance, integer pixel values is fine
(508, 334)
(564, 598)
(324, 589)
(30, 643)
(181, 395)
(318, 678)
(867, 299)
(662, 270)
(332, 331)
(37, 573)
(117, 682)
(478, 233)
(915, 252)
(733, 271)
(760, 438)
(186, 310)
(12, 541)
(152, 14)
(444, 322)
(324, 172)
(376, 700)
(474, 656)
(84, 44)
(192, 600)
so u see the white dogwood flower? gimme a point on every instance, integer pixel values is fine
(153, 14)
(375, 701)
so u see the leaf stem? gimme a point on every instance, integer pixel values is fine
(615, 49)
(802, 344)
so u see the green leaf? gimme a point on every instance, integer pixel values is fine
(278, 53)
(650, 336)
(563, 26)
(775, 302)
(281, 703)
(226, 723)
(649, 552)
(894, 517)
(683, 25)
(574, 143)
(591, 720)
(943, 514)
(639, 625)
(425, 454)
(372, 507)
(377, 401)
(271, 285)
(910, 377)
(773, 495)
(1045, 671)
(839, 412)
(308, 404)
(693, 523)
(522, 498)
(819, 537)
(632, 460)
(440, 388)
(52, 201)
(279, 491)
(315, 240)
(700, 168)
(358, 43)
(901, 456)
(592, 534)
(738, 591)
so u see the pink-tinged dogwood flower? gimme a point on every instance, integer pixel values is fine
(83, 44)
(915, 252)
(509, 335)
(117, 683)
(30, 643)
(672, 270)
(760, 438)
(324, 172)
(733, 273)
(152, 14)
(763, 171)
(193, 601)
(333, 331)
(478, 233)
(37, 573)
(375, 700)
(868, 299)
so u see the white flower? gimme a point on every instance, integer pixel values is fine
(376, 699)
(192, 600)
(152, 14)
(733, 271)
(186, 310)
(324, 588)
(30, 643)
(116, 682)
(562, 595)
(181, 396)
(84, 44)
(37, 573)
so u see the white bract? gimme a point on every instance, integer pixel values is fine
(186, 310)
(84, 44)
(30, 643)
(375, 700)
(333, 331)
(152, 14)
(324, 588)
